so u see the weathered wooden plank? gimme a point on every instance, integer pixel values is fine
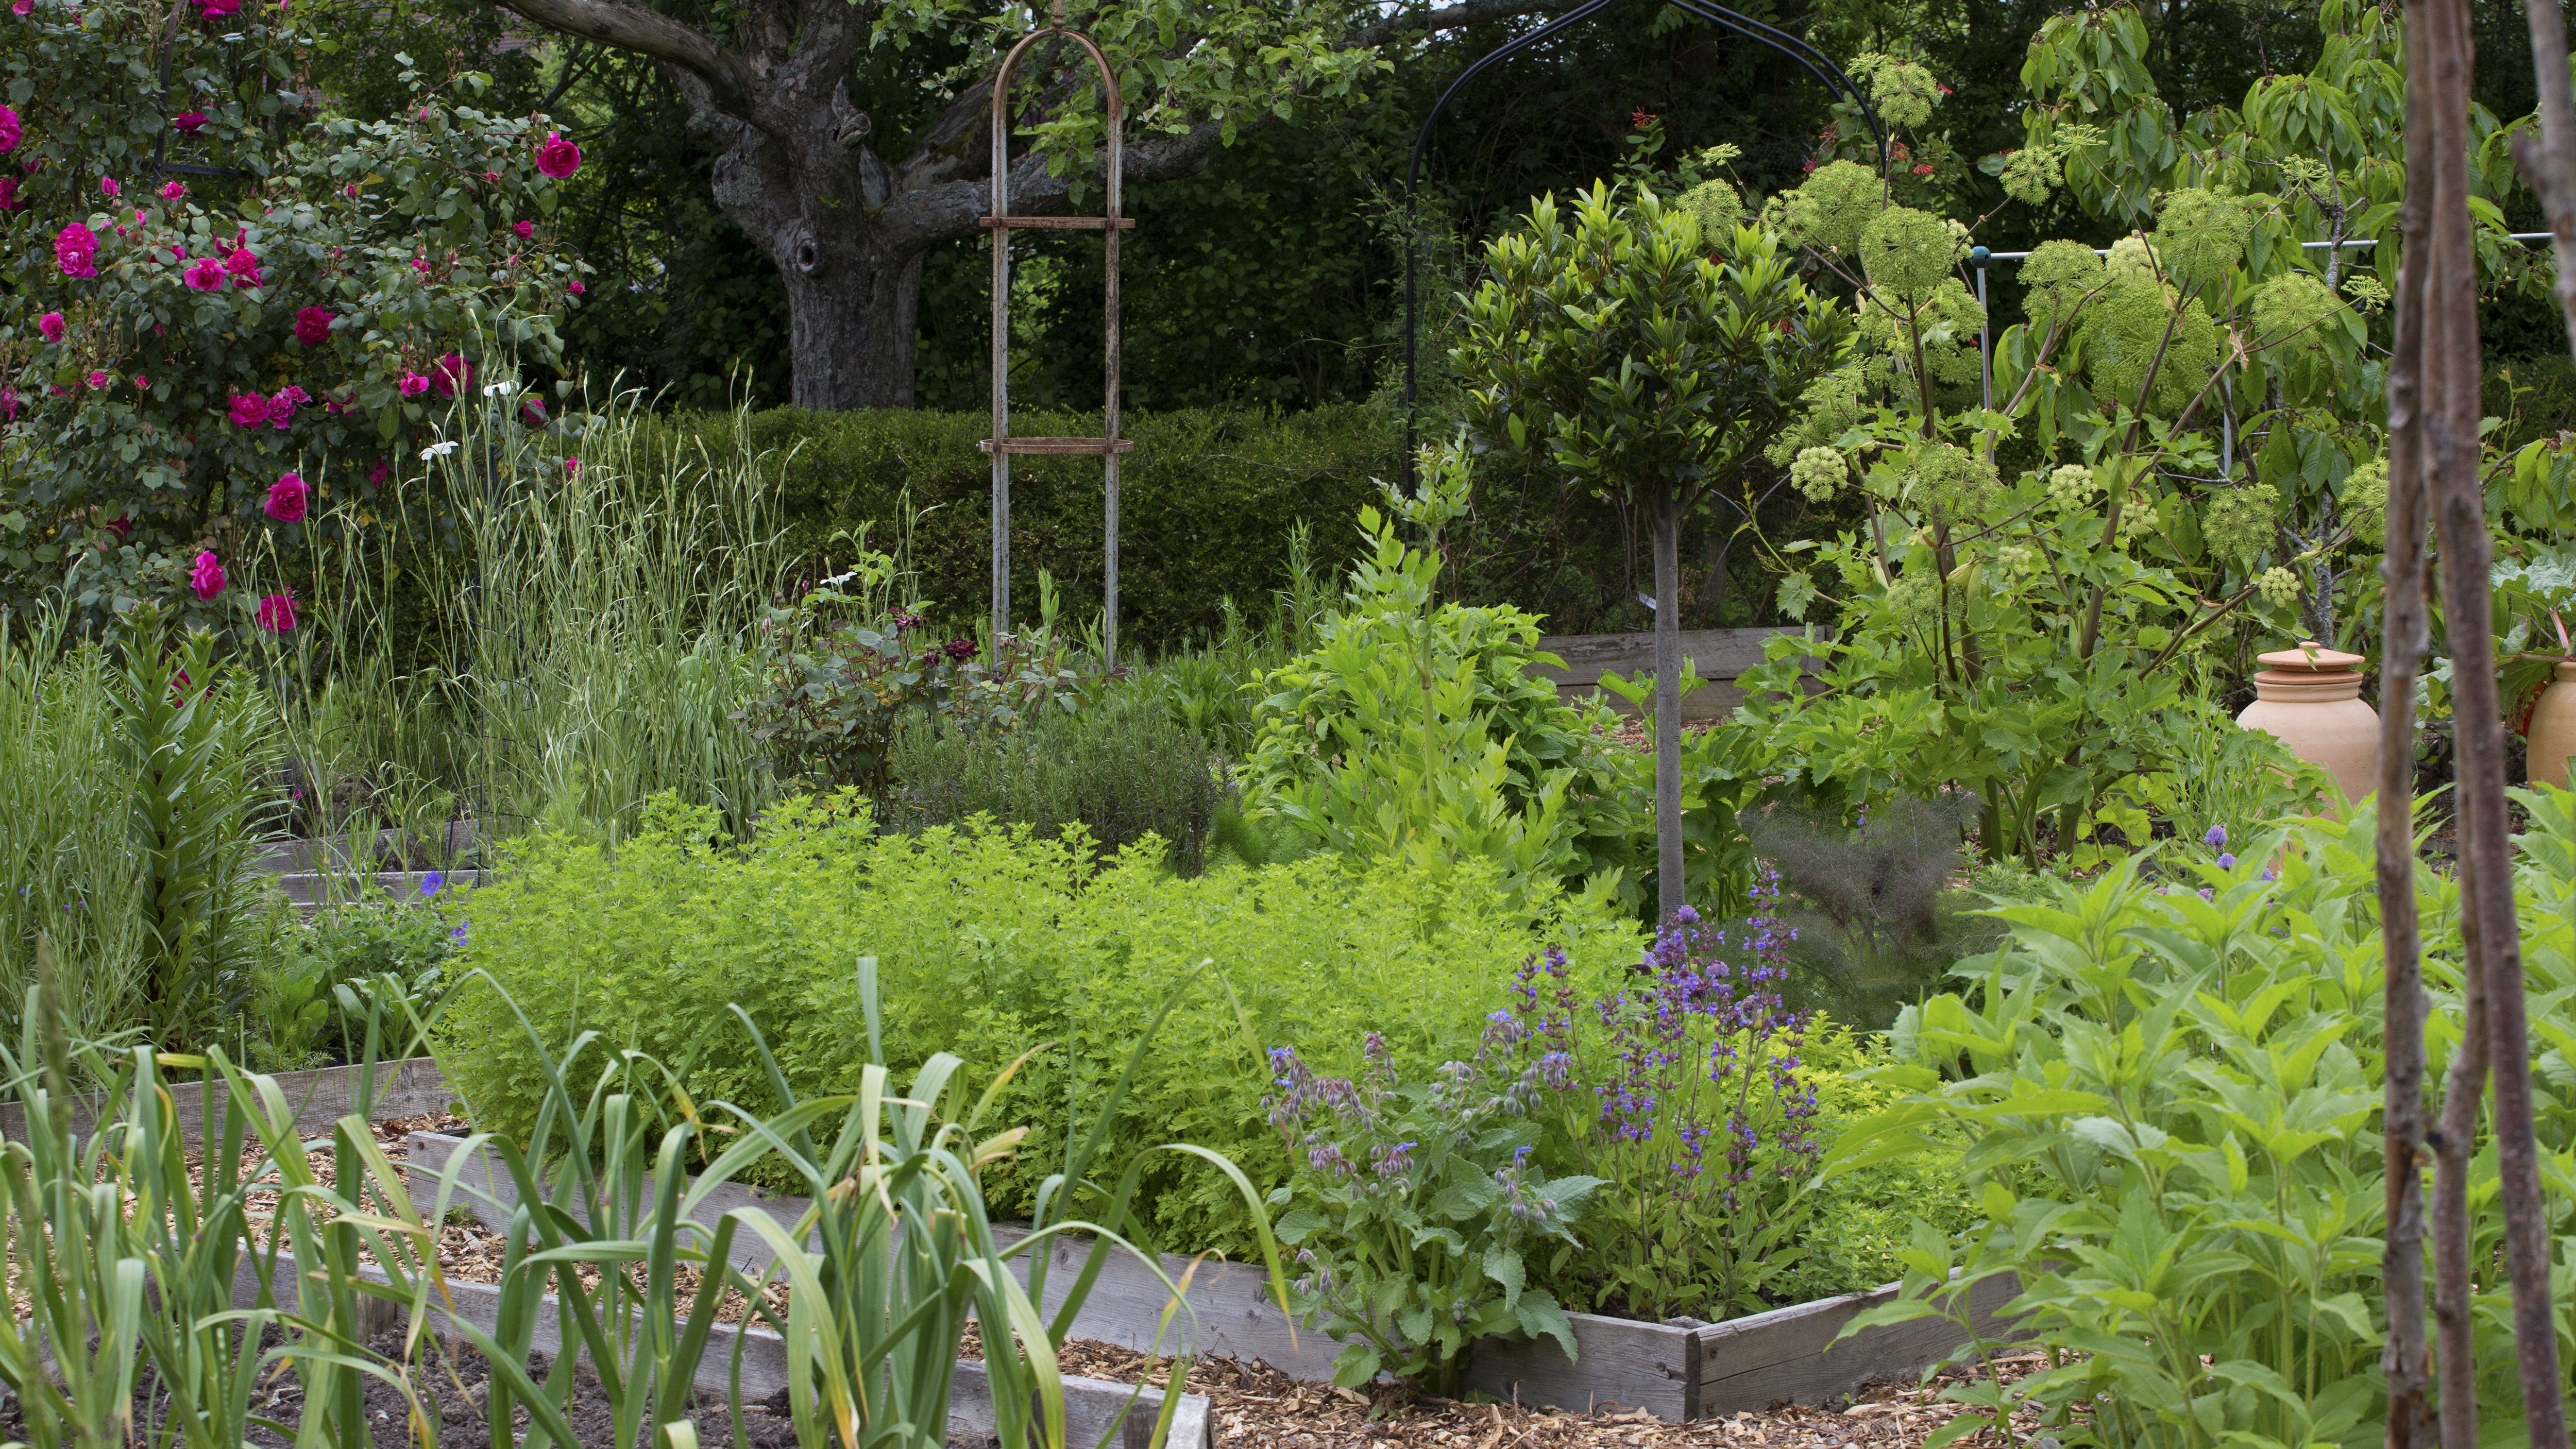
(303, 856)
(321, 1097)
(1091, 1405)
(1618, 1361)
(1235, 1315)
(1719, 656)
(1789, 1355)
(312, 892)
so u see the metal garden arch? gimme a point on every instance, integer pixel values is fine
(1815, 61)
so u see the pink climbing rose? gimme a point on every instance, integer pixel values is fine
(142, 383)
(244, 266)
(572, 466)
(412, 385)
(277, 613)
(51, 324)
(577, 289)
(452, 375)
(376, 474)
(558, 158)
(288, 498)
(172, 191)
(107, 185)
(249, 410)
(207, 578)
(76, 251)
(9, 194)
(281, 408)
(207, 275)
(189, 123)
(97, 379)
(313, 326)
(10, 130)
(213, 8)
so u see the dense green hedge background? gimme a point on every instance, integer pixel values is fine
(1206, 501)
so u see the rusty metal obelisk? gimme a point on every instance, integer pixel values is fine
(1001, 444)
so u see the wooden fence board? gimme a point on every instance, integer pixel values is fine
(1719, 655)
(409, 1088)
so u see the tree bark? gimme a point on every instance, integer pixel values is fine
(2490, 931)
(1670, 887)
(2405, 1357)
(846, 229)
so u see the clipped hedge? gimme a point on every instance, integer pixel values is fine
(1206, 501)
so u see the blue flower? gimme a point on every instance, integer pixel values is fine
(2216, 837)
(2226, 861)
(430, 883)
(458, 935)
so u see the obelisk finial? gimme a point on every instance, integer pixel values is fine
(1055, 14)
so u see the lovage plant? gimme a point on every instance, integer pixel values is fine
(223, 308)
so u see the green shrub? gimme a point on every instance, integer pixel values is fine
(1003, 941)
(1413, 729)
(2536, 396)
(1206, 502)
(1121, 770)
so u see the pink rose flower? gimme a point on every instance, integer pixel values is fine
(572, 466)
(420, 265)
(452, 374)
(142, 383)
(532, 411)
(207, 578)
(51, 324)
(76, 251)
(577, 289)
(172, 191)
(10, 130)
(491, 175)
(412, 385)
(213, 8)
(281, 408)
(351, 190)
(376, 474)
(189, 123)
(107, 184)
(206, 276)
(244, 267)
(313, 325)
(558, 158)
(525, 229)
(277, 611)
(288, 498)
(97, 379)
(23, 7)
(9, 194)
(121, 526)
(9, 403)
(249, 410)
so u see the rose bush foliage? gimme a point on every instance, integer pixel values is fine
(212, 286)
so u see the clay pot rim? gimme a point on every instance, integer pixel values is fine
(2308, 678)
(2308, 657)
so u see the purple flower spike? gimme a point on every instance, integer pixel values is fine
(2226, 861)
(2216, 837)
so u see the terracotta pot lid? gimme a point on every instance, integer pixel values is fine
(2310, 658)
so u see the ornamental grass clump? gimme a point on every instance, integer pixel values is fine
(1691, 1107)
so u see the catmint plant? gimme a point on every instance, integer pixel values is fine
(1689, 1106)
(1413, 1204)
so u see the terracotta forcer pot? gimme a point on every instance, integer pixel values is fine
(2553, 728)
(2310, 699)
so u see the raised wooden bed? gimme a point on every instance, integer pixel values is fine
(311, 892)
(1788, 1355)
(1720, 655)
(456, 840)
(410, 1088)
(1091, 1405)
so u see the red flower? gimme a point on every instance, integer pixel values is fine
(207, 578)
(288, 498)
(206, 276)
(1641, 118)
(76, 251)
(452, 373)
(189, 123)
(558, 158)
(121, 526)
(1923, 170)
(249, 410)
(277, 613)
(313, 326)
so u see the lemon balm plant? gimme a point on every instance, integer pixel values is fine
(223, 305)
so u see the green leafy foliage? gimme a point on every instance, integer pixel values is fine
(2169, 1096)
(1413, 730)
(1122, 770)
(1420, 1209)
(993, 937)
(288, 314)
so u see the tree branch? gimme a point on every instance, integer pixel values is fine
(729, 82)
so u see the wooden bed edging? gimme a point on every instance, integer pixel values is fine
(412, 1087)
(1090, 1405)
(1785, 1355)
